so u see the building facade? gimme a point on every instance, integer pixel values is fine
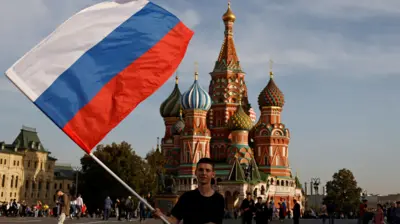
(220, 123)
(26, 170)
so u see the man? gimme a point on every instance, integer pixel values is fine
(202, 205)
(64, 205)
(107, 208)
(129, 208)
(296, 212)
(260, 208)
(397, 213)
(247, 209)
(79, 204)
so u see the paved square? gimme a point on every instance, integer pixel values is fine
(150, 221)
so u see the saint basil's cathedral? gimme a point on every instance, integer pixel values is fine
(250, 155)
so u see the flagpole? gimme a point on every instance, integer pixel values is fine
(126, 185)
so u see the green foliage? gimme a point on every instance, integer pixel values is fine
(137, 172)
(343, 191)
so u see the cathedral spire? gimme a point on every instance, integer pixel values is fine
(228, 59)
(158, 144)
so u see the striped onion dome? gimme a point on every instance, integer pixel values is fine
(171, 106)
(196, 97)
(271, 95)
(240, 120)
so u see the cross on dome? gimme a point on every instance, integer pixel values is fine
(271, 74)
(196, 70)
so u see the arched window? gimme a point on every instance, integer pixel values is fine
(12, 181)
(3, 182)
(16, 182)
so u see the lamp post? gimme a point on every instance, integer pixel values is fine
(77, 169)
(315, 182)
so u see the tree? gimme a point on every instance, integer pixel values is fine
(343, 191)
(98, 183)
(155, 162)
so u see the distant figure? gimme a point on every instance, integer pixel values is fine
(63, 202)
(296, 212)
(79, 205)
(247, 208)
(107, 208)
(331, 212)
(379, 217)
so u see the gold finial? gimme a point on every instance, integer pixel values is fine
(240, 100)
(176, 78)
(180, 112)
(196, 70)
(229, 16)
(271, 74)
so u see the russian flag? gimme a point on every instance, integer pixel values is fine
(94, 69)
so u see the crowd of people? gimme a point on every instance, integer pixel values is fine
(125, 209)
(379, 214)
(264, 212)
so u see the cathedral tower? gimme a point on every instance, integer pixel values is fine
(227, 87)
(271, 137)
(239, 124)
(169, 110)
(195, 138)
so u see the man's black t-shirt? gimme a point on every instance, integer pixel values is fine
(194, 208)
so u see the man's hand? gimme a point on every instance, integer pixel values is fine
(157, 213)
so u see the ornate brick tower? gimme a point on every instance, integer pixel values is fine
(271, 137)
(227, 86)
(195, 138)
(169, 110)
(239, 124)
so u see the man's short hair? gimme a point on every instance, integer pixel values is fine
(58, 191)
(206, 161)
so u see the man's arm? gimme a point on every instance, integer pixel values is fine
(171, 219)
(177, 211)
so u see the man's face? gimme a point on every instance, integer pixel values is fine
(59, 193)
(204, 173)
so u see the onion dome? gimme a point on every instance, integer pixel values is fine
(240, 120)
(271, 95)
(171, 106)
(196, 97)
(178, 127)
(253, 115)
(228, 15)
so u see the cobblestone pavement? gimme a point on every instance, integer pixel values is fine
(150, 221)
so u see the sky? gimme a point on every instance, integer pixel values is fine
(337, 62)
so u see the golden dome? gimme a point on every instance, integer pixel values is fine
(240, 120)
(229, 16)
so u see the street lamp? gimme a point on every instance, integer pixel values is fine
(77, 169)
(315, 183)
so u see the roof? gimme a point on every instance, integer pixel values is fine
(28, 138)
(237, 173)
(8, 149)
(64, 172)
